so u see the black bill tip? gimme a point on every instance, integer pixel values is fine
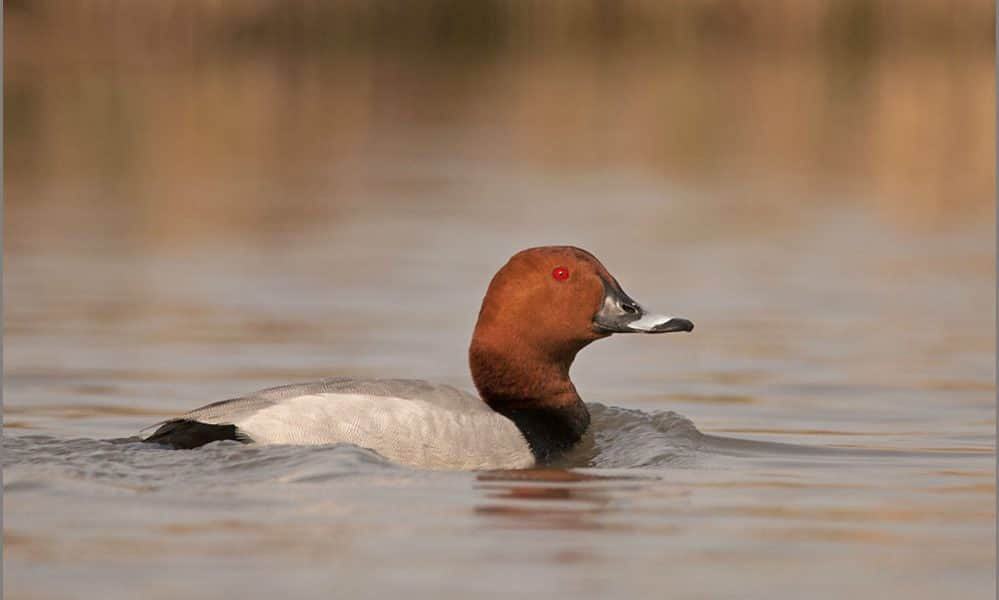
(674, 324)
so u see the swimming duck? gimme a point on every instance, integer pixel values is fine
(543, 307)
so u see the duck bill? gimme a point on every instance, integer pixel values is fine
(620, 314)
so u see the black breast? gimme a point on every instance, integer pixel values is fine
(549, 431)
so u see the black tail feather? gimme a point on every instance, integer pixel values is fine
(183, 434)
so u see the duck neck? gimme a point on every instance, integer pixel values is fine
(534, 391)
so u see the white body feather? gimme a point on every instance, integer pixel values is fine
(432, 427)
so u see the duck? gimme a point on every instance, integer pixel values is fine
(540, 309)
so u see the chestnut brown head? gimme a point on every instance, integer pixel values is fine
(552, 301)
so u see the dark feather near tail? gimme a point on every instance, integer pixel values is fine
(183, 434)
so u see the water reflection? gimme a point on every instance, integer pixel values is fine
(550, 498)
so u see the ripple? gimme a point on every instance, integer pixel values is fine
(619, 438)
(130, 464)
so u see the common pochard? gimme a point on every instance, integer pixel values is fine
(545, 305)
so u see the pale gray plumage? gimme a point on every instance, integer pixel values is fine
(406, 420)
(445, 396)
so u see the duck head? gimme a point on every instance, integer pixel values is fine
(542, 307)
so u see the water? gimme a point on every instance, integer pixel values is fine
(869, 397)
(828, 429)
(341, 521)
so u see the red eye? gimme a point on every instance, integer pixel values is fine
(560, 273)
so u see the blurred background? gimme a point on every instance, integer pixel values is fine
(205, 119)
(181, 173)
(246, 192)
(204, 198)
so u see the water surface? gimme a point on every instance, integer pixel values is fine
(863, 371)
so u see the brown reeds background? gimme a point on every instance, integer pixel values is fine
(201, 115)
